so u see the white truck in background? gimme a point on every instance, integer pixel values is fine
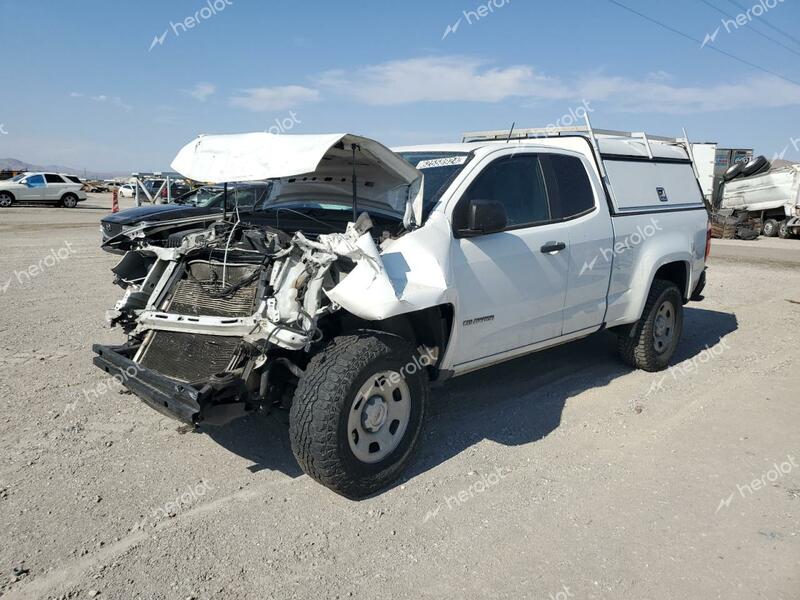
(372, 273)
(773, 196)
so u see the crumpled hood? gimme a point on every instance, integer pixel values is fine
(260, 156)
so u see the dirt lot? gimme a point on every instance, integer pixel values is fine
(563, 475)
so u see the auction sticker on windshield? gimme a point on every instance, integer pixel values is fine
(442, 162)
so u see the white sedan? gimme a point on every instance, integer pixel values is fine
(50, 188)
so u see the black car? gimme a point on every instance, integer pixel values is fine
(196, 209)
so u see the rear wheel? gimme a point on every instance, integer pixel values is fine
(6, 199)
(358, 411)
(770, 228)
(69, 201)
(656, 335)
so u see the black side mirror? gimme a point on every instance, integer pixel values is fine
(486, 216)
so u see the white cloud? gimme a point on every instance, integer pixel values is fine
(274, 98)
(628, 95)
(113, 100)
(201, 91)
(440, 79)
(469, 79)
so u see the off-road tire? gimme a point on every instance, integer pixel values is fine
(318, 420)
(770, 228)
(6, 199)
(69, 201)
(637, 350)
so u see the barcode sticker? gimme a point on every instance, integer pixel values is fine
(442, 162)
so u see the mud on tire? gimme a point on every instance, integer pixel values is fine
(329, 397)
(640, 350)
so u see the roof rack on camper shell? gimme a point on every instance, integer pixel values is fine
(539, 132)
(614, 143)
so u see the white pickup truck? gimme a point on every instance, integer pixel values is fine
(371, 273)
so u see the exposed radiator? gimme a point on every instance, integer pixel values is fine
(191, 295)
(187, 356)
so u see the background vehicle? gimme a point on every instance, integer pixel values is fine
(127, 190)
(771, 195)
(41, 188)
(462, 256)
(195, 209)
(157, 187)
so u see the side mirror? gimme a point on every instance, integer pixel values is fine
(486, 216)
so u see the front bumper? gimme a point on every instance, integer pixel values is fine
(170, 397)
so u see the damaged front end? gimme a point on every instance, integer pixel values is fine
(221, 325)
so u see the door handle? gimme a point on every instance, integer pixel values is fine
(552, 247)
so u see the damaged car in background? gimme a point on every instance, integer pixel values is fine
(369, 273)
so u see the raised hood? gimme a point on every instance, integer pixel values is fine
(307, 163)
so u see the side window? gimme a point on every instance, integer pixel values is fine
(73, 179)
(516, 181)
(52, 178)
(36, 180)
(571, 192)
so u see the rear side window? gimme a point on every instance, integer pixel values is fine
(571, 192)
(52, 178)
(516, 181)
(73, 179)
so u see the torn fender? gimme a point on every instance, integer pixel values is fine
(408, 276)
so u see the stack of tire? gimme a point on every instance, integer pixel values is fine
(757, 166)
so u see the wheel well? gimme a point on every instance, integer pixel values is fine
(677, 273)
(430, 327)
(13, 197)
(73, 194)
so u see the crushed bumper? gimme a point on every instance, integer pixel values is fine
(170, 397)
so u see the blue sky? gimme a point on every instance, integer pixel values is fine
(85, 89)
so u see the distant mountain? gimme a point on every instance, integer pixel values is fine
(779, 162)
(15, 164)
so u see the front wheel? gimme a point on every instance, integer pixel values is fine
(358, 411)
(653, 340)
(783, 231)
(6, 199)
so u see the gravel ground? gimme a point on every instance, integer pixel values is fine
(534, 479)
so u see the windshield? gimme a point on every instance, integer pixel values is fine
(19, 177)
(439, 168)
(211, 197)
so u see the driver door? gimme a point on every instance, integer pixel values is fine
(511, 284)
(34, 189)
